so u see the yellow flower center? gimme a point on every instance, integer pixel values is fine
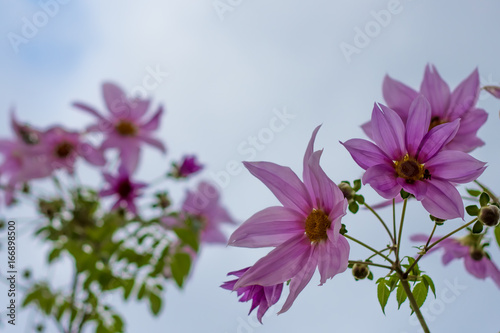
(411, 170)
(435, 121)
(64, 149)
(126, 128)
(317, 223)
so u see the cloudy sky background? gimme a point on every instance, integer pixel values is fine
(224, 75)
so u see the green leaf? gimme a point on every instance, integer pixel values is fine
(429, 283)
(128, 285)
(472, 210)
(370, 276)
(474, 193)
(357, 185)
(484, 199)
(400, 295)
(477, 228)
(141, 292)
(155, 303)
(55, 253)
(420, 293)
(118, 327)
(353, 207)
(180, 265)
(359, 199)
(497, 234)
(383, 293)
(393, 282)
(188, 237)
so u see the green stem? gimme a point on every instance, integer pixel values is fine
(381, 251)
(398, 245)
(369, 263)
(488, 191)
(72, 299)
(369, 248)
(414, 305)
(381, 221)
(430, 236)
(394, 219)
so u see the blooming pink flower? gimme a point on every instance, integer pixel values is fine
(126, 190)
(305, 231)
(62, 147)
(476, 261)
(204, 204)
(261, 297)
(412, 158)
(446, 106)
(188, 166)
(125, 127)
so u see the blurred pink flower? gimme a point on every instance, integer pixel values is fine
(446, 106)
(412, 158)
(305, 230)
(122, 186)
(125, 127)
(476, 261)
(204, 204)
(188, 166)
(261, 297)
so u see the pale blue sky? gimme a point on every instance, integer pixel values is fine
(226, 79)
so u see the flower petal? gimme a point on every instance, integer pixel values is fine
(417, 124)
(279, 265)
(306, 172)
(471, 121)
(418, 188)
(398, 96)
(90, 110)
(300, 280)
(476, 267)
(365, 153)
(493, 272)
(442, 200)
(367, 128)
(269, 227)
(436, 139)
(388, 131)
(382, 178)
(333, 258)
(436, 91)
(455, 166)
(153, 142)
(116, 100)
(284, 184)
(154, 122)
(465, 96)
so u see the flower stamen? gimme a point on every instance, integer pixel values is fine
(317, 223)
(411, 170)
(126, 128)
(64, 149)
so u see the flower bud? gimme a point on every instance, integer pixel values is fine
(476, 253)
(489, 215)
(347, 190)
(360, 271)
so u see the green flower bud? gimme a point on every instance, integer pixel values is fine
(489, 215)
(360, 271)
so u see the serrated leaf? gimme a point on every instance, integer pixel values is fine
(428, 281)
(477, 228)
(472, 210)
(155, 303)
(353, 207)
(180, 265)
(474, 193)
(401, 295)
(484, 199)
(420, 293)
(383, 293)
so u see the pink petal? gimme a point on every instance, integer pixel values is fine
(465, 96)
(418, 189)
(333, 258)
(465, 143)
(300, 280)
(365, 153)
(326, 192)
(436, 139)
(471, 121)
(493, 272)
(116, 100)
(154, 122)
(436, 91)
(284, 184)
(269, 227)
(139, 107)
(213, 236)
(306, 172)
(388, 131)
(91, 154)
(442, 200)
(417, 124)
(367, 128)
(477, 268)
(280, 265)
(382, 178)
(153, 142)
(398, 96)
(494, 90)
(90, 110)
(130, 158)
(455, 166)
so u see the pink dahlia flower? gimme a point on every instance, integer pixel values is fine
(204, 204)
(122, 186)
(305, 230)
(446, 106)
(412, 158)
(261, 297)
(476, 261)
(125, 128)
(188, 166)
